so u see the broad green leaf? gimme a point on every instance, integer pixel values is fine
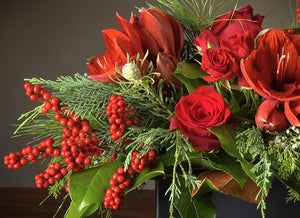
(147, 174)
(200, 206)
(190, 74)
(168, 158)
(91, 209)
(190, 84)
(222, 182)
(190, 70)
(73, 211)
(222, 161)
(226, 135)
(88, 187)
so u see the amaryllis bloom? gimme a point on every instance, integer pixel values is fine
(152, 31)
(202, 109)
(238, 21)
(273, 70)
(118, 45)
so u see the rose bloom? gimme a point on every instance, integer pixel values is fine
(273, 71)
(219, 64)
(239, 46)
(202, 109)
(239, 21)
(154, 31)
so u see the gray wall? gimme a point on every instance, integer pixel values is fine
(53, 37)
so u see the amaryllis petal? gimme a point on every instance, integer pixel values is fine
(292, 110)
(159, 28)
(114, 48)
(131, 32)
(166, 65)
(269, 117)
(176, 28)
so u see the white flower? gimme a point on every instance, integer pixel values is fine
(132, 72)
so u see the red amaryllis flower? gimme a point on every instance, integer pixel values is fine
(196, 112)
(273, 70)
(153, 31)
(237, 22)
(118, 45)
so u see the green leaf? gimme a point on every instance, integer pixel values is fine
(226, 135)
(190, 74)
(200, 206)
(147, 174)
(222, 161)
(88, 187)
(73, 211)
(91, 209)
(222, 182)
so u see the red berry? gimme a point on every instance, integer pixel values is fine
(36, 88)
(32, 97)
(63, 121)
(46, 96)
(54, 101)
(26, 85)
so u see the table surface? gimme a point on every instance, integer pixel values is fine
(24, 202)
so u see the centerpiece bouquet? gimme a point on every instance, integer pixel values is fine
(184, 91)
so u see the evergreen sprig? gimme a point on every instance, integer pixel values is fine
(82, 95)
(251, 144)
(285, 150)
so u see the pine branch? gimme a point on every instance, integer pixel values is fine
(293, 195)
(82, 95)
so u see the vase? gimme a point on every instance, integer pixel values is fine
(232, 207)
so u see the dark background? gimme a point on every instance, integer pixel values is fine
(50, 38)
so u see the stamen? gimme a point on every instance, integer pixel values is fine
(282, 60)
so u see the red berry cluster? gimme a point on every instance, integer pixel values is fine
(114, 195)
(28, 153)
(122, 180)
(119, 117)
(36, 92)
(15, 160)
(78, 145)
(140, 164)
(54, 172)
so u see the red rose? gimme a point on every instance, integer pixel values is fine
(219, 64)
(239, 46)
(237, 22)
(205, 40)
(202, 109)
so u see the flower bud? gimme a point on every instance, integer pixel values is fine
(131, 72)
(269, 117)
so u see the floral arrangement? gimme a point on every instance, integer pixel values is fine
(184, 91)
